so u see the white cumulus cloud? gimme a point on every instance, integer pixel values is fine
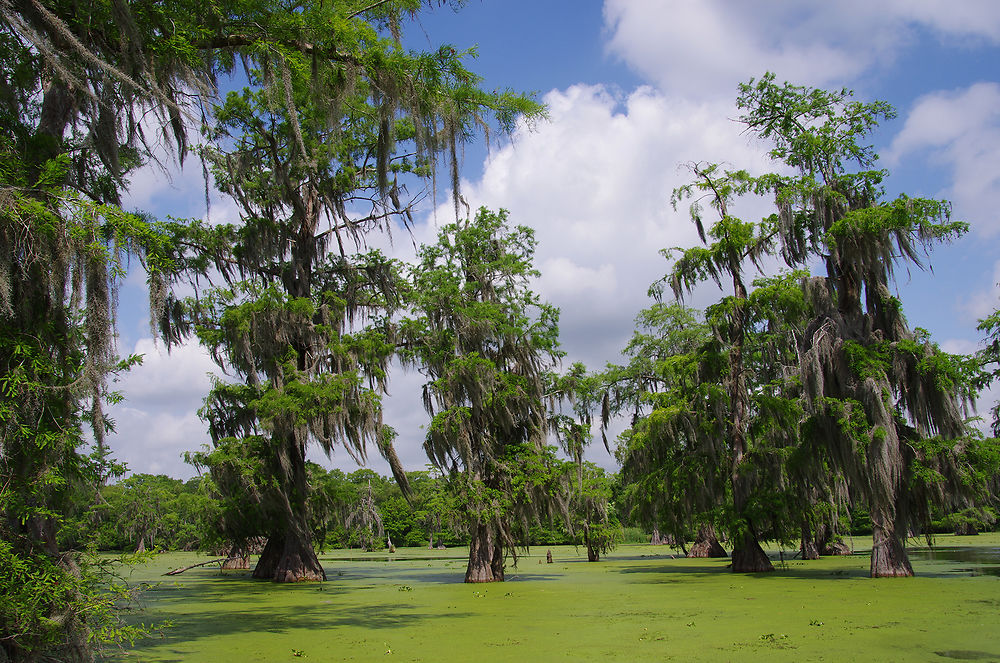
(961, 130)
(708, 46)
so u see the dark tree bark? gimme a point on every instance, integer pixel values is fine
(706, 544)
(237, 559)
(593, 554)
(889, 558)
(268, 562)
(485, 555)
(749, 557)
(837, 547)
(298, 560)
(810, 548)
(821, 537)
(966, 529)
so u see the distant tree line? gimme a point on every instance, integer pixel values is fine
(146, 512)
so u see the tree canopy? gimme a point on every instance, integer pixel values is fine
(484, 341)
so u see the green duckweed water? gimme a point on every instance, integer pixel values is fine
(638, 604)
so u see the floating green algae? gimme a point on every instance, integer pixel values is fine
(638, 604)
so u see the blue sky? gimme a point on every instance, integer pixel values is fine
(635, 88)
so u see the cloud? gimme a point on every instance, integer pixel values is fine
(158, 421)
(981, 303)
(595, 182)
(708, 46)
(959, 129)
(978, 19)
(153, 441)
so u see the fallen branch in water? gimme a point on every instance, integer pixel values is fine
(185, 568)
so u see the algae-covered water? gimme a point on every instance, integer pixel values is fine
(639, 604)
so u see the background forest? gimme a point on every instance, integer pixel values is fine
(795, 403)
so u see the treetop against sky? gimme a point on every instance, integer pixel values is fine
(635, 89)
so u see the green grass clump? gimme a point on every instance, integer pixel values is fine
(639, 604)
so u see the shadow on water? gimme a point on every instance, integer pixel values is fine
(941, 562)
(968, 655)
(415, 572)
(242, 606)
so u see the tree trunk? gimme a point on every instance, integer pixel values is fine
(706, 544)
(238, 558)
(966, 529)
(298, 561)
(836, 548)
(593, 554)
(749, 557)
(821, 536)
(268, 562)
(809, 548)
(889, 559)
(485, 555)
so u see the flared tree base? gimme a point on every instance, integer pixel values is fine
(288, 560)
(751, 558)
(706, 544)
(889, 558)
(485, 556)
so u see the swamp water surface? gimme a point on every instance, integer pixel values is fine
(639, 604)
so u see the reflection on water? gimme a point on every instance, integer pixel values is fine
(974, 561)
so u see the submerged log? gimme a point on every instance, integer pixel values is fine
(182, 569)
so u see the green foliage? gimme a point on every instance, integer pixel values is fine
(64, 256)
(317, 151)
(44, 599)
(989, 361)
(883, 405)
(485, 341)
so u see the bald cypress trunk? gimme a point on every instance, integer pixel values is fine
(593, 554)
(706, 544)
(298, 561)
(889, 558)
(238, 558)
(485, 555)
(268, 561)
(809, 547)
(748, 556)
